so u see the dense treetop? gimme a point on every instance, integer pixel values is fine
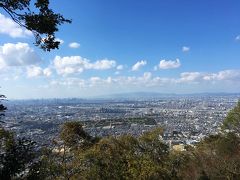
(39, 19)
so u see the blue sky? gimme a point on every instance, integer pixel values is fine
(169, 46)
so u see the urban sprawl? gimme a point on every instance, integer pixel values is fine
(185, 119)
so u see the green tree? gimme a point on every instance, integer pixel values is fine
(215, 157)
(74, 136)
(152, 144)
(182, 165)
(219, 156)
(48, 166)
(41, 20)
(16, 155)
(75, 140)
(125, 157)
(2, 107)
(154, 154)
(232, 121)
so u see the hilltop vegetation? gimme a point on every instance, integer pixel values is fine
(77, 155)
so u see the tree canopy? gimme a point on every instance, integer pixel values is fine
(2, 107)
(42, 21)
(232, 121)
(16, 154)
(73, 135)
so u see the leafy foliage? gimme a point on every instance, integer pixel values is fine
(220, 156)
(16, 155)
(48, 166)
(2, 107)
(74, 136)
(125, 157)
(43, 22)
(232, 121)
(216, 157)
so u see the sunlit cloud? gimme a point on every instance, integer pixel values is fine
(77, 64)
(169, 64)
(74, 45)
(138, 65)
(9, 27)
(19, 54)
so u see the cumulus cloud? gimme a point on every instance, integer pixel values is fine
(20, 54)
(185, 49)
(119, 67)
(74, 45)
(190, 76)
(146, 80)
(36, 71)
(77, 64)
(138, 65)
(169, 64)
(69, 65)
(185, 80)
(229, 75)
(9, 27)
(47, 72)
(103, 64)
(221, 76)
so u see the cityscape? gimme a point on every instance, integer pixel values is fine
(185, 119)
(119, 90)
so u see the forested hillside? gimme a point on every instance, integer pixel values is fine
(77, 155)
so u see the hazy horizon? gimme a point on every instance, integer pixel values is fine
(134, 95)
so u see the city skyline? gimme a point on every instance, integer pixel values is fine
(118, 47)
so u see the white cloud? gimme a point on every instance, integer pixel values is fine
(9, 27)
(36, 71)
(74, 45)
(138, 65)
(77, 64)
(165, 64)
(60, 40)
(190, 76)
(221, 76)
(185, 49)
(186, 82)
(69, 65)
(47, 72)
(229, 75)
(19, 54)
(119, 67)
(103, 64)
(237, 38)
